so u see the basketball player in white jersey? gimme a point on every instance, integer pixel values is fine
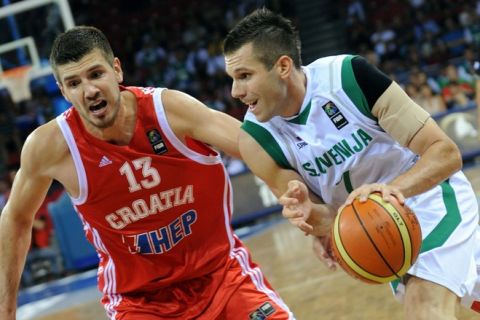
(348, 130)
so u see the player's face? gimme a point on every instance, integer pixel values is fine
(91, 85)
(262, 90)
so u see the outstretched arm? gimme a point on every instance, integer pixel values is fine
(301, 207)
(28, 191)
(189, 117)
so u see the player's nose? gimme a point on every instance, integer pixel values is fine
(237, 90)
(91, 91)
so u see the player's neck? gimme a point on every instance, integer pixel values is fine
(297, 91)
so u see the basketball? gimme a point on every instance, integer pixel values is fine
(376, 241)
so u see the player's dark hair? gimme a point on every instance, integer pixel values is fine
(271, 35)
(74, 44)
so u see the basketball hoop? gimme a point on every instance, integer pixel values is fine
(17, 82)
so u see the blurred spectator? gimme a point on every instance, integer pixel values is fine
(456, 92)
(431, 102)
(383, 40)
(355, 11)
(454, 37)
(465, 67)
(413, 92)
(472, 30)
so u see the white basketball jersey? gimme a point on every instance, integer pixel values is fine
(334, 143)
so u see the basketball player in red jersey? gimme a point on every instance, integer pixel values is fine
(154, 197)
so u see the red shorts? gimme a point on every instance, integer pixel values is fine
(241, 292)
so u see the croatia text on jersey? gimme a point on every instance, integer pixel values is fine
(157, 203)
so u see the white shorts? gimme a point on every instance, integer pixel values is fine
(450, 253)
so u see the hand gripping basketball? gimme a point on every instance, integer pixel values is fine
(376, 241)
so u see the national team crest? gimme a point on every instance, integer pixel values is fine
(155, 139)
(337, 118)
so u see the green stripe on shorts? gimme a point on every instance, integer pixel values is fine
(448, 224)
(444, 229)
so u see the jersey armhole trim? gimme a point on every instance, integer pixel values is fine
(268, 143)
(353, 90)
(77, 160)
(174, 140)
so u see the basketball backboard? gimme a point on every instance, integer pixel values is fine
(28, 30)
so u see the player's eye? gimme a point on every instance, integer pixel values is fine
(245, 76)
(73, 84)
(96, 74)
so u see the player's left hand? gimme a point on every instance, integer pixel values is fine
(387, 191)
(322, 248)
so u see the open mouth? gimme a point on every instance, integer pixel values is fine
(98, 108)
(252, 106)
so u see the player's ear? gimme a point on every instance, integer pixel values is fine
(117, 67)
(284, 66)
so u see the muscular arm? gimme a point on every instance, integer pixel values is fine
(189, 117)
(28, 191)
(277, 178)
(439, 159)
(439, 156)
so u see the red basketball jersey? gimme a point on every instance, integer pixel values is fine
(157, 211)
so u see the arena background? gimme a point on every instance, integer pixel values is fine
(429, 47)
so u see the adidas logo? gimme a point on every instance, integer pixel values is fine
(104, 162)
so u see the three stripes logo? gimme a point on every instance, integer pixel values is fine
(104, 162)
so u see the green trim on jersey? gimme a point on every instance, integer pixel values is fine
(353, 90)
(268, 143)
(303, 116)
(447, 225)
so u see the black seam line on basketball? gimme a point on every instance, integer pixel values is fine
(398, 229)
(373, 243)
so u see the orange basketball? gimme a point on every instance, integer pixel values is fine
(376, 241)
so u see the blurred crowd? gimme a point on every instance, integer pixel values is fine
(429, 47)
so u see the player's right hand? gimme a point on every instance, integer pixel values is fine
(322, 247)
(297, 205)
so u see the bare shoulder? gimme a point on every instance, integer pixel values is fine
(178, 102)
(43, 149)
(170, 96)
(183, 111)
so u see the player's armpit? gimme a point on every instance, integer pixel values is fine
(399, 115)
